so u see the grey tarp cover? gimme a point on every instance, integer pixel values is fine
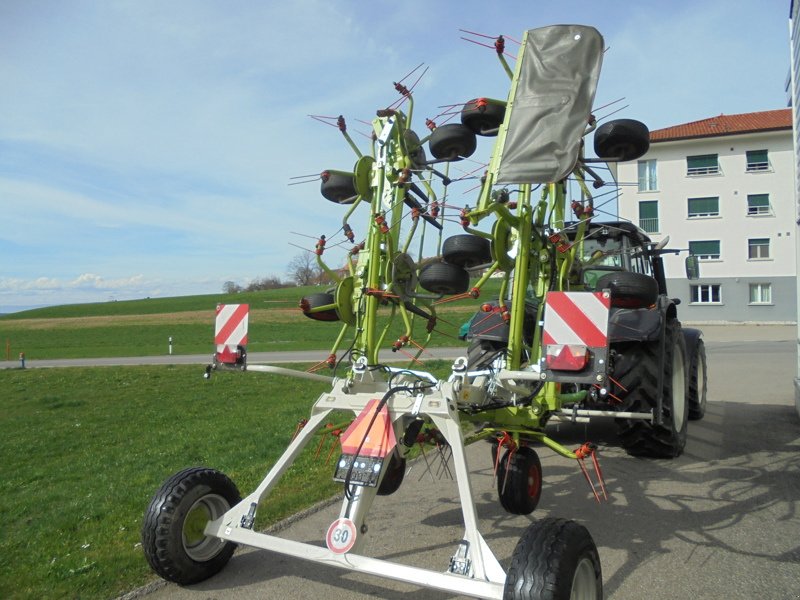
(551, 103)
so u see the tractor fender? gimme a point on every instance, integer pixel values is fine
(634, 325)
(691, 337)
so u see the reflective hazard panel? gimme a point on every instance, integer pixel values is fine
(575, 336)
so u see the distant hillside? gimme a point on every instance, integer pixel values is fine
(284, 297)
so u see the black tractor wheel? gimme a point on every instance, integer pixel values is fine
(444, 278)
(555, 559)
(519, 481)
(338, 186)
(173, 537)
(628, 289)
(393, 478)
(483, 116)
(308, 303)
(621, 140)
(467, 250)
(698, 380)
(635, 382)
(452, 141)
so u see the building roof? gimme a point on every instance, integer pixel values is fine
(770, 120)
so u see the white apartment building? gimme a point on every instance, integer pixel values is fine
(723, 189)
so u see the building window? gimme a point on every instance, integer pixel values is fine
(760, 293)
(757, 160)
(647, 176)
(758, 204)
(703, 207)
(758, 248)
(648, 215)
(705, 164)
(706, 294)
(705, 250)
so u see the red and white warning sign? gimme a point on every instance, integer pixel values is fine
(341, 536)
(576, 318)
(230, 331)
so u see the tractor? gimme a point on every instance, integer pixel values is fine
(582, 327)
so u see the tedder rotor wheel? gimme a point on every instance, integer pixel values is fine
(519, 481)
(555, 559)
(338, 186)
(444, 278)
(467, 250)
(394, 475)
(483, 116)
(621, 140)
(629, 289)
(308, 303)
(698, 380)
(635, 382)
(173, 537)
(452, 141)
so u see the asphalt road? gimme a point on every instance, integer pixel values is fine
(721, 521)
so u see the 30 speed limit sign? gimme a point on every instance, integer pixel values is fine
(341, 536)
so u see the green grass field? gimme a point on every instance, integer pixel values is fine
(83, 451)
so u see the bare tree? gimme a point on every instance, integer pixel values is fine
(231, 287)
(304, 270)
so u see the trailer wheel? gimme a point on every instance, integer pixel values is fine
(621, 140)
(698, 380)
(629, 289)
(483, 116)
(316, 301)
(393, 477)
(519, 482)
(338, 186)
(444, 278)
(466, 250)
(555, 559)
(635, 382)
(172, 533)
(452, 141)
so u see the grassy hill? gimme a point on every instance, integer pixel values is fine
(143, 327)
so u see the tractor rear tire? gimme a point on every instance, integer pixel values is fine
(629, 289)
(483, 116)
(519, 481)
(698, 380)
(452, 142)
(621, 140)
(467, 250)
(444, 278)
(635, 382)
(173, 540)
(555, 559)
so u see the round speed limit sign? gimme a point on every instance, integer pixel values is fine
(341, 536)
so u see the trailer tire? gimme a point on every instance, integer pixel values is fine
(698, 381)
(483, 116)
(444, 278)
(172, 532)
(555, 559)
(629, 289)
(519, 481)
(635, 382)
(452, 141)
(621, 140)
(393, 478)
(467, 250)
